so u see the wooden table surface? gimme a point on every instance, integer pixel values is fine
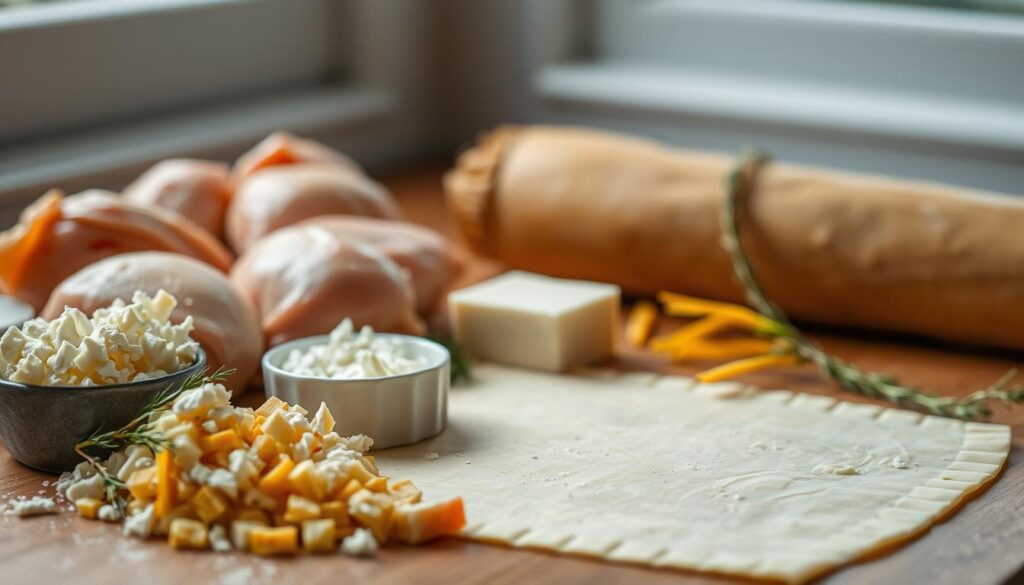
(983, 543)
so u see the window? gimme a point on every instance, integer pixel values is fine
(95, 90)
(871, 86)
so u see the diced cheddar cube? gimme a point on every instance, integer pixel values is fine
(414, 523)
(254, 498)
(299, 508)
(377, 484)
(353, 486)
(274, 541)
(337, 511)
(186, 451)
(166, 483)
(273, 403)
(251, 514)
(373, 511)
(278, 427)
(186, 490)
(279, 520)
(265, 447)
(318, 535)
(135, 506)
(405, 491)
(226, 440)
(142, 483)
(306, 480)
(208, 504)
(182, 429)
(240, 530)
(186, 533)
(88, 507)
(357, 470)
(163, 524)
(275, 482)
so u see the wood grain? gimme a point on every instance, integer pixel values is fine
(980, 544)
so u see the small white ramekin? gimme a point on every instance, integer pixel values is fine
(393, 410)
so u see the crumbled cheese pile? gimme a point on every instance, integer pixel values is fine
(35, 506)
(120, 343)
(349, 356)
(269, 481)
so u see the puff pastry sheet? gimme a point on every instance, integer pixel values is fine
(666, 472)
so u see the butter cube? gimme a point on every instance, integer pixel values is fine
(535, 321)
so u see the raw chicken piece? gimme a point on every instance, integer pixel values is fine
(432, 261)
(282, 148)
(225, 324)
(303, 280)
(56, 236)
(280, 196)
(197, 189)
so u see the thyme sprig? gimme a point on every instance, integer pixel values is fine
(849, 377)
(140, 431)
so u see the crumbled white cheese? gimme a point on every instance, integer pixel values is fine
(360, 544)
(348, 356)
(34, 506)
(358, 443)
(219, 539)
(120, 343)
(140, 524)
(224, 480)
(90, 487)
(138, 457)
(108, 513)
(198, 401)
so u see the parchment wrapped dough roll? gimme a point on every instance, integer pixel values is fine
(225, 324)
(828, 247)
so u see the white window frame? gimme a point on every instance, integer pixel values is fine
(134, 93)
(901, 90)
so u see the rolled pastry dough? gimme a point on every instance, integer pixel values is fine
(665, 472)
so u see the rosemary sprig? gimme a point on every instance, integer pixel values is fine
(139, 431)
(739, 184)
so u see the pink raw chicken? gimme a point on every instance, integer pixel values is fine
(197, 189)
(282, 148)
(225, 324)
(281, 196)
(432, 261)
(303, 280)
(56, 236)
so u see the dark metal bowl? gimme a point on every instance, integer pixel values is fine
(40, 425)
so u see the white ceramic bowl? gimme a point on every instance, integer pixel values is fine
(393, 410)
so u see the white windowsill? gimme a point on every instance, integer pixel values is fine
(676, 92)
(36, 167)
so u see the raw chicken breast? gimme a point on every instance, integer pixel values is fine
(432, 261)
(282, 148)
(197, 189)
(56, 236)
(280, 196)
(225, 324)
(303, 280)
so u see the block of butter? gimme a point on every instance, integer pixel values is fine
(535, 321)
